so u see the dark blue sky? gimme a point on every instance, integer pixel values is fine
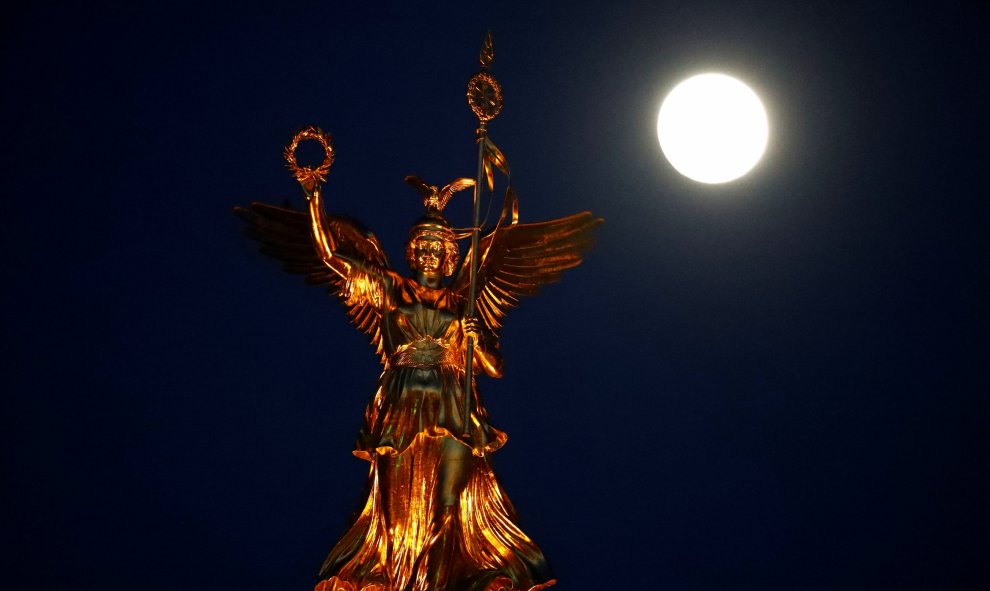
(778, 383)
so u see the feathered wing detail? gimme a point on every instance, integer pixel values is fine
(285, 234)
(456, 185)
(517, 259)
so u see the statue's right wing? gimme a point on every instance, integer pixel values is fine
(517, 259)
(286, 234)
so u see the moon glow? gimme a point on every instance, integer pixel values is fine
(712, 128)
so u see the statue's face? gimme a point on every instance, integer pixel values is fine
(429, 253)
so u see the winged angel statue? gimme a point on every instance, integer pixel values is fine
(435, 517)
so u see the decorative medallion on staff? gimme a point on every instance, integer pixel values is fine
(484, 93)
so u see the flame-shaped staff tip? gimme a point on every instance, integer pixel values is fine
(487, 51)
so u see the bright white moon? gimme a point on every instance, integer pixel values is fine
(712, 128)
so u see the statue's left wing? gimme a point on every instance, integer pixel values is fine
(517, 259)
(286, 234)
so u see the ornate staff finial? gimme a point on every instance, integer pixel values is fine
(484, 94)
(487, 51)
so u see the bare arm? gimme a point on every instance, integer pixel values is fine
(322, 238)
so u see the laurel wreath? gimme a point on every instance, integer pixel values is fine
(306, 174)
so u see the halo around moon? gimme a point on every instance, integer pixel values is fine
(712, 128)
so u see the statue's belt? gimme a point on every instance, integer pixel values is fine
(425, 352)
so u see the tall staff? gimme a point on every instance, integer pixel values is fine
(484, 96)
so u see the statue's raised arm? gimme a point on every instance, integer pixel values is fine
(330, 250)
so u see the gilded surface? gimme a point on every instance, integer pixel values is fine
(435, 517)
(309, 174)
(484, 93)
(484, 96)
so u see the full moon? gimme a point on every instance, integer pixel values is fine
(712, 128)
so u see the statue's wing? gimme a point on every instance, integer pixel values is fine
(517, 259)
(286, 234)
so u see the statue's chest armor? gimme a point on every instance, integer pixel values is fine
(417, 320)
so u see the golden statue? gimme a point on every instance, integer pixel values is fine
(435, 518)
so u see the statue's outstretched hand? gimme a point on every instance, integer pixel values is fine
(309, 187)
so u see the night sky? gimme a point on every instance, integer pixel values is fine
(777, 383)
